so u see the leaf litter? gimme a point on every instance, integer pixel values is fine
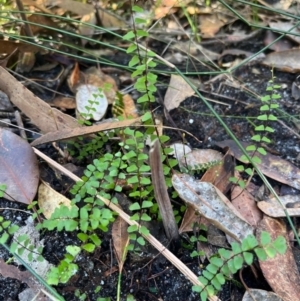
(53, 121)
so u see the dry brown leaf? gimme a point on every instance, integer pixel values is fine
(94, 77)
(87, 30)
(10, 46)
(275, 210)
(124, 106)
(287, 61)
(36, 28)
(110, 271)
(257, 294)
(272, 207)
(179, 151)
(39, 4)
(220, 173)
(49, 199)
(19, 168)
(47, 119)
(81, 131)
(209, 202)
(281, 45)
(198, 158)
(177, 92)
(170, 3)
(286, 26)
(120, 240)
(75, 7)
(161, 12)
(210, 25)
(272, 166)
(245, 203)
(281, 272)
(74, 78)
(217, 175)
(167, 7)
(110, 21)
(64, 103)
(189, 219)
(281, 4)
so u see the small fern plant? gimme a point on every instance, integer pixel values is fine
(263, 130)
(225, 263)
(142, 62)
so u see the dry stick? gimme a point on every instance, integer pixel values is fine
(20, 125)
(161, 193)
(151, 239)
(27, 27)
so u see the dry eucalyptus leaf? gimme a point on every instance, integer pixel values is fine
(95, 77)
(276, 210)
(189, 219)
(272, 166)
(75, 7)
(180, 150)
(47, 119)
(217, 175)
(86, 30)
(210, 24)
(286, 26)
(10, 46)
(64, 103)
(161, 12)
(220, 173)
(201, 158)
(120, 240)
(177, 92)
(209, 202)
(287, 61)
(49, 199)
(281, 272)
(272, 207)
(281, 45)
(215, 236)
(260, 295)
(19, 168)
(245, 203)
(35, 20)
(110, 20)
(124, 106)
(282, 4)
